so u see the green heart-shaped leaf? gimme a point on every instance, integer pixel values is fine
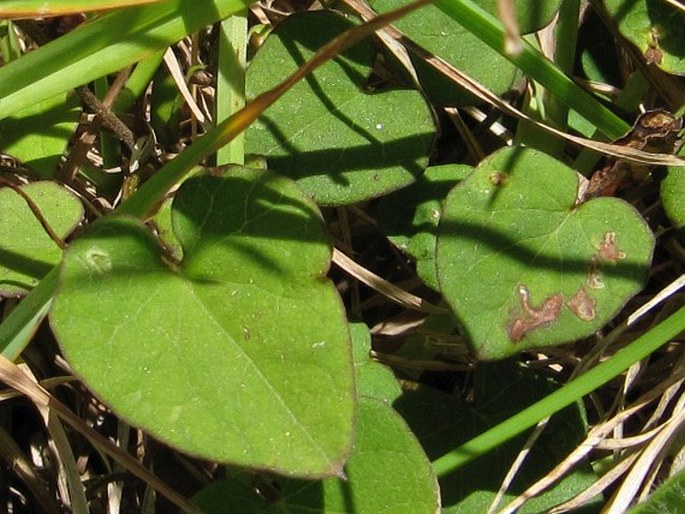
(522, 266)
(27, 252)
(340, 143)
(239, 353)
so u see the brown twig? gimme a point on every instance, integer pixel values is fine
(104, 118)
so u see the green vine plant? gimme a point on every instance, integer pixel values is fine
(360, 257)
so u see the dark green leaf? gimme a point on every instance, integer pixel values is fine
(342, 144)
(523, 266)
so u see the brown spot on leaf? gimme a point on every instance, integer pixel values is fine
(582, 305)
(498, 178)
(608, 250)
(529, 318)
(654, 55)
(595, 279)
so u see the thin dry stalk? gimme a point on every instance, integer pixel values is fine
(387, 289)
(594, 438)
(176, 72)
(651, 457)
(518, 464)
(14, 377)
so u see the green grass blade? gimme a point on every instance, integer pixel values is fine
(535, 65)
(103, 46)
(138, 81)
(548, 106)
(570, 393)
(37, 8)
(17, 329)
(230, 84)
